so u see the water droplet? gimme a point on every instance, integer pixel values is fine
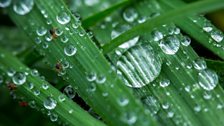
(164, 83)
(53, 117)
(91, 76)
(170, 114)
(30, 86)
(36, 92)
(165, 105)
(157, 35)
(19, 78)
(217, 36)
(207, 27)
(130, 15)
(129, 118)
(199, 64)
(101, 79)
(41, 31)
(23, 7)
(197, 108)
(50, 103)
(185, 41)
(63, 18)
(139, 66)
(69, 92)
(45, 86)
(11, 72)
(207, 95)
(70, 50)
(5, 3)
(34, 73)
(170, 45)
(208, 79)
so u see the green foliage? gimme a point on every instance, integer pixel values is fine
(136, 67)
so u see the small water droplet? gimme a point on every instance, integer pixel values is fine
(50, 103)
(45, 86)
(91, 76)
(53, 117)
(199, 64)
(164, 83)
(217, 36)
(185, 41)
(157, 35)
(123, 101)
(41, 31)
(70, 50)
(36, 92)
(208, 79)
(23, 7)
(61, 98)
(63, 18)
(101, 79)
(130, 15)
(69, 92)
(19, 78)
(129, 118)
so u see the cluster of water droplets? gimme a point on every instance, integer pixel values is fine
(216, 36)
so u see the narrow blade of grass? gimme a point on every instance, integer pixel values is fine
(67, 111)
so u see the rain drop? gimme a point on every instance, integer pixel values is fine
(23, 7)
(217, 36)
(69, 92)
(70, 50)
(63, 18)
(50, 103)
(170, 45)
(19, 78)
(208, 79)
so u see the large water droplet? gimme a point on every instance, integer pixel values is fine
(5, 3)
(23, 7)
(63, 18)
(70, 50)
(157, 35)
(170, 45)
(19, 78)
(50, 103)
(208, 79)
(41, 31)
(139, 66)
(91, 76)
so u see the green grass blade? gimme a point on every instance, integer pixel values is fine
(106, 93)
(197, 24)
(194, 8)
(66, 110)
